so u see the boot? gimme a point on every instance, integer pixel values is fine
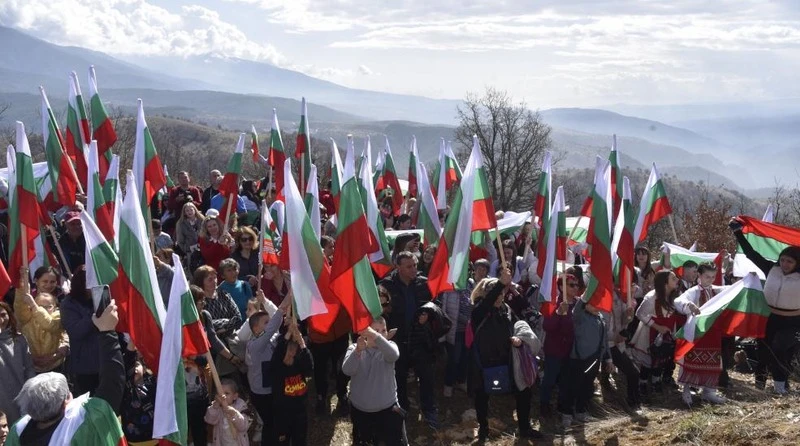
(780, 387)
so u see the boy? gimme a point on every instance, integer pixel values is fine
(292, 367)
(228, 415)
(375, 413)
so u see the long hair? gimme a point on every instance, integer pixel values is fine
(245, 230)
(12, 320)
(200, 216)
(664, 300)
(647, 270)
(204, 232)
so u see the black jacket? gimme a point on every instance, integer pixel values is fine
(402, 314)
(493, 328)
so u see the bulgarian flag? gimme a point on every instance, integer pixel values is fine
(87, 421)
(542, 211)
(23, 215)
(740, 310)
(254, 143)
(769, 214)
(141, 309)
(62, 173)
(336, 175)
(412, 167)
(183, 337)
(102, 263)
(599, 290)
(351, 274)
(390, 178)
(622, 246)
(169, 183)
(311, 200)
(472, 214)
(767, 238)
(555, 232)
(428, 217)
(679, 255)
(277, 155)
(78, 135)
(445, 177)
(616, 176)
(303, 146)
(96, 202)
(377, 177)
(113, 195)
(380, 258)
(229, 187)
(102, 127)
(147, 168)
(269, 255)
(654, 206)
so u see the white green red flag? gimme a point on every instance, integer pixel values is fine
(96, 203)
(277, 155)
(303, 146)
(102, 263)
(352, 280)
(63, 178)
(170, 184)
(102, 127)
(616, 176)
(412, 167)
(428, 215)
(311, 200)
(767, 238)
(77, 137)
(269, 255)
(445, 178)
(141, 308)
(471, 216)
(600, 289)
(23, 215)
(740, 310)
(769, 214)
(380, 258)
(254, 143)
(653, 207)
(336, 176)
(377, 176)
(113, 195)
(622, 246)
(390, 178)
(542, 210)
(147, 167)
(556, 226)
(679, 255)
(229, 187)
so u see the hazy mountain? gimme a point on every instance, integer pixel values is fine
(675, 113)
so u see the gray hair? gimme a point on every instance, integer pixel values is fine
(228, 264)
(42, 397)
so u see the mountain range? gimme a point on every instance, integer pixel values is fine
(235, 93)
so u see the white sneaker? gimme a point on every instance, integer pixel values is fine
(448, 391)
(566, 421)
(713, 397)
(687, 396)
(780, 387)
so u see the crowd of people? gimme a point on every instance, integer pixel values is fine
(487, 340)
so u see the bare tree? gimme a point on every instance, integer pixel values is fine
(513, 140)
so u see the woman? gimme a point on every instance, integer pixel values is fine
(46, 280)
(559, 335)
(645, 273)
(76, 317)
(782, 292)
(424, 265)
(275, 284)
(239, 290)
(15, 363)
(658, 322)
(40, 322)
(224, 312)
(188, 228)
(702, 365)
(214, 245)
(246, 255)
(518, 265)
(494, 325)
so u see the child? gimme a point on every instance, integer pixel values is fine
(422, 349)
(375, 413)
(228, 415)
(292, 367)
(138, 402)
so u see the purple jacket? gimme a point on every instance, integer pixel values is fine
(559, 334)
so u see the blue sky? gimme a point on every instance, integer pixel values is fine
(548, 53)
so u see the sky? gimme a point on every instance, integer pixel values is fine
(548, 53)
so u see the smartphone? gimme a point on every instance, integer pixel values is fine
(101, 298)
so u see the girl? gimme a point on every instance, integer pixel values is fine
(424, 266)
(214, 245)
(47, 280)
(40, 322)
(645, 273)
(229, 417)
(188, 228)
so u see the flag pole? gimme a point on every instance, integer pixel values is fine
(574, 228)
(228, 215)
(628, 285)
(24, 233)
(218, 384)
(500, 245)
(60, 250)
(672, 225)
(269, 183)
(149, 226)
(261, 249)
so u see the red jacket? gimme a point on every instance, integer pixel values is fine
(213, 252)
(177, 199)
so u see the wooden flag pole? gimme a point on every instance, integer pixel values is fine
(261, 249)
(629, 286)
(228, 215)
(60, 251)
(574, 228)
(149, 226)
(218, 385)
(269, 184)
(500, 245)
(672, 225)
(24, 235)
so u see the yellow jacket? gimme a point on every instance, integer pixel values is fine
(42, 330)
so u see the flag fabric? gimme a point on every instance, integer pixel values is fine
(600, 289)
(169, 183)
(77, 137)
(147, 168)
(303, 146)
(472, 214)
(427, 216)
(542, 210)
(694, 246)
(380, 258)
(229, 187)
(102, 127)
(63, 178)
(740, 310)
(5, 281)
(102, 263)
(653, 207)
(679, 255)
(377, 176)
(447, 174)
(390, 177)
(141, 309)
(412, 167)
(556, 225)
(351, 273)
(769, 214)
(767, 246)
(622, 246)
(277, 154)
(616, 177)
(96, 201)
(113, 195)
(336, 176)
(269, 255)
(254, 143)
(23, 215)
(311, 200)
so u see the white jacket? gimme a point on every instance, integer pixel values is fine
(693, 295)
(782, 291)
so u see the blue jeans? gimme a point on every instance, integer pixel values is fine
(457, 357)
(552, 370)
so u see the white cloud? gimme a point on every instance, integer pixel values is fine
(365, 70)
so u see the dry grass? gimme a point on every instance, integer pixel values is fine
(751, 417)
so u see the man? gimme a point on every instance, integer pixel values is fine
(182, 194)
(72, 241)
(3, 428)
(48, 403)
(213, 189)
(408, 292)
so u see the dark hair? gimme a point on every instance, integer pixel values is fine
(705, 267)
(156, 225)
(648, 268)
(326, 241)
(42, 270)
(689, 264)
(255, 318)
(792, 252)
(230, 383)
(404, 255)
(78, 285)
(664, 301)
(403, 218)
(197, 293)
(12, 320)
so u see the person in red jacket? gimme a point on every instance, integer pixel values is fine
(183, 193)
(214, 245)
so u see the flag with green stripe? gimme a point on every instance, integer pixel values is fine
(23, 215)
(653, 207)
(77, 137)
(147, 167)
(102, 263)
(600, 289)
(380, 258)
(102, 127)
(63, 178)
